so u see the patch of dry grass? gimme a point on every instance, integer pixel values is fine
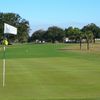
(94, 48)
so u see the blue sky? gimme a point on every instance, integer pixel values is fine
(44, 13)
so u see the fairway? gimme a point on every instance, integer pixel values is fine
(47, 72)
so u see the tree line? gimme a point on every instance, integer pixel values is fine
(88, 33)
(53, 34)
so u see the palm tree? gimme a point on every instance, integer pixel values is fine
(89, 38)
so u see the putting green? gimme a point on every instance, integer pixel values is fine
(45, 72)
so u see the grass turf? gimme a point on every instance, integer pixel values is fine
(45, 72)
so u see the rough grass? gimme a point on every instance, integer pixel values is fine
(46, 72)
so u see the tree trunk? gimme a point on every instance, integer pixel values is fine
(87, 44)
(93, 39)
(80, 44)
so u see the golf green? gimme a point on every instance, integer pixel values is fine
(47, 72)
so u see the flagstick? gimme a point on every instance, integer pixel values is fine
(11, 30)
(4, 67)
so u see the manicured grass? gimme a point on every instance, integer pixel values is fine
(47, 72)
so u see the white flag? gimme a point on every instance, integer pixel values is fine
(10, 29)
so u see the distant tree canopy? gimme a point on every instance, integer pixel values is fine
(73, 33)
(38, 35)
(15, 20)
(93, 28)
(55, 33)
